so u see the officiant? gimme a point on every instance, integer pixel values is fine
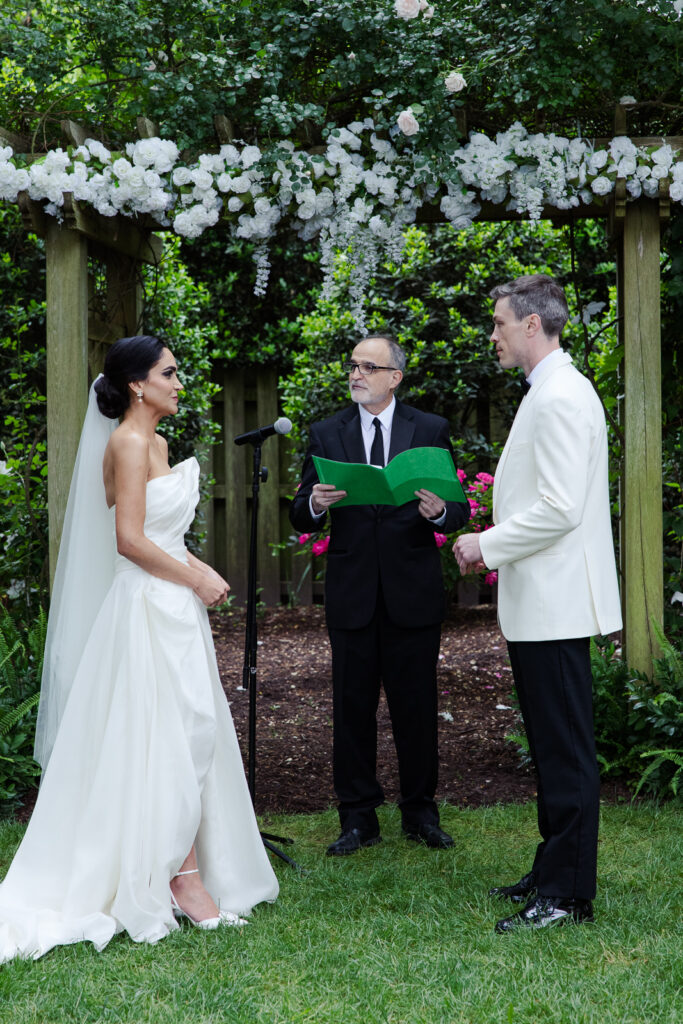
(384, 600)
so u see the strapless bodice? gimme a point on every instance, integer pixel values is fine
(171, 503)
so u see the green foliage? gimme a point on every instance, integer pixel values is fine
(23, 451)
(436, 304)
(297, 69)
(672, 423)
(21, 661)
(176, 308)
(639, 718)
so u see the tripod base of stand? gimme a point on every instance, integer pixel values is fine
(266, 837)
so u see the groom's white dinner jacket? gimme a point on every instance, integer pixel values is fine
(552, 538)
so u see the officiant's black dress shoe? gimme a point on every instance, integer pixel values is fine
(517, 893)
(350, 841)
(430, 835)
(544, 911)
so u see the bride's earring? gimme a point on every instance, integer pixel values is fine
(140, 395)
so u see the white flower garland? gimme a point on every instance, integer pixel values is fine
(357, 195)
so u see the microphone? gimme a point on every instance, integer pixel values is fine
(281, 426)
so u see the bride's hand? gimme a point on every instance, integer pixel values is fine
(211, 588)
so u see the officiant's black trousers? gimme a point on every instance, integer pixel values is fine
(404, 660)
(555, 690)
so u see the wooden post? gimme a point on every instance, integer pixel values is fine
(228, 532)
(67, 366)
(269, 499)
(642, 513)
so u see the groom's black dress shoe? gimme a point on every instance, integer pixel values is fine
(517, 893)
(350, 840)
(430, 835)
(543, 911)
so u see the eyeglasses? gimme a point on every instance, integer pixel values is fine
(365, 368)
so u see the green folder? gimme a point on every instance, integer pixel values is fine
(396, 483)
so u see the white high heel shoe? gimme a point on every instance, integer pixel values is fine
(209, 923)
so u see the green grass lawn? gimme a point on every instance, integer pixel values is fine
(396, 933)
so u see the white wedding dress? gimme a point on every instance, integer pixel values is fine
(145, 764)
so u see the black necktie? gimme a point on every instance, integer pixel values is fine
(377, 450)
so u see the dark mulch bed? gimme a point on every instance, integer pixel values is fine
(294, 711)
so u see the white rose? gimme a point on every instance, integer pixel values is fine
(234, 204)
(597, 160)
(407, 122)
(602, 185)
(250, 155)
(455, 82)
(182, 176)
(428, 12)
(676, 191)
(407, 9)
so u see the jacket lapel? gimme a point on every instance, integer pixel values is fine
(351, 436)
(402, 431)
(522, 413)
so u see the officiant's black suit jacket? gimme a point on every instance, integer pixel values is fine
(371, 544)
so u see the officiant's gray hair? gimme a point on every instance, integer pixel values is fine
(398, 356)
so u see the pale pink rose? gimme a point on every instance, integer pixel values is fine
(407, 122)
(407, 9)
(428, 13)
(455, 82)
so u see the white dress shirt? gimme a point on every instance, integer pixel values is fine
(386, 418)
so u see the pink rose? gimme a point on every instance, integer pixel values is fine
(440, 539)
(462, 475)
(304, 537)
(321, 546)
(491, 578)
(485, 478)
(407, 122)
(474, 505)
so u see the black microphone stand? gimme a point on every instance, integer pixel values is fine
(250, 646)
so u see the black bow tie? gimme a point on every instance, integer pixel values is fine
(526, 386)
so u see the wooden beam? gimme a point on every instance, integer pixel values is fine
(74, 133)
(224, 129)
(19, 143)
(642, 510)
(117, 233)
(147, 129)
(67, 367)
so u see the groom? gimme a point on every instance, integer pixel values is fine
(557, 586)
(384, 601)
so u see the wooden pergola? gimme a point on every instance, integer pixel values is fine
(75, 343)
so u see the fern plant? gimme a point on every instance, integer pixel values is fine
(21, 661)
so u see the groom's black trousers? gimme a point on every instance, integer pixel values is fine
(405, 660)
(555, 691)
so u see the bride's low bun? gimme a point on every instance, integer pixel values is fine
(110, 401)
(127, 360)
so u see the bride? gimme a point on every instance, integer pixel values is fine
(143, 813)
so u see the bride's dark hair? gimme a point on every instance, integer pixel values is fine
(128, 359)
